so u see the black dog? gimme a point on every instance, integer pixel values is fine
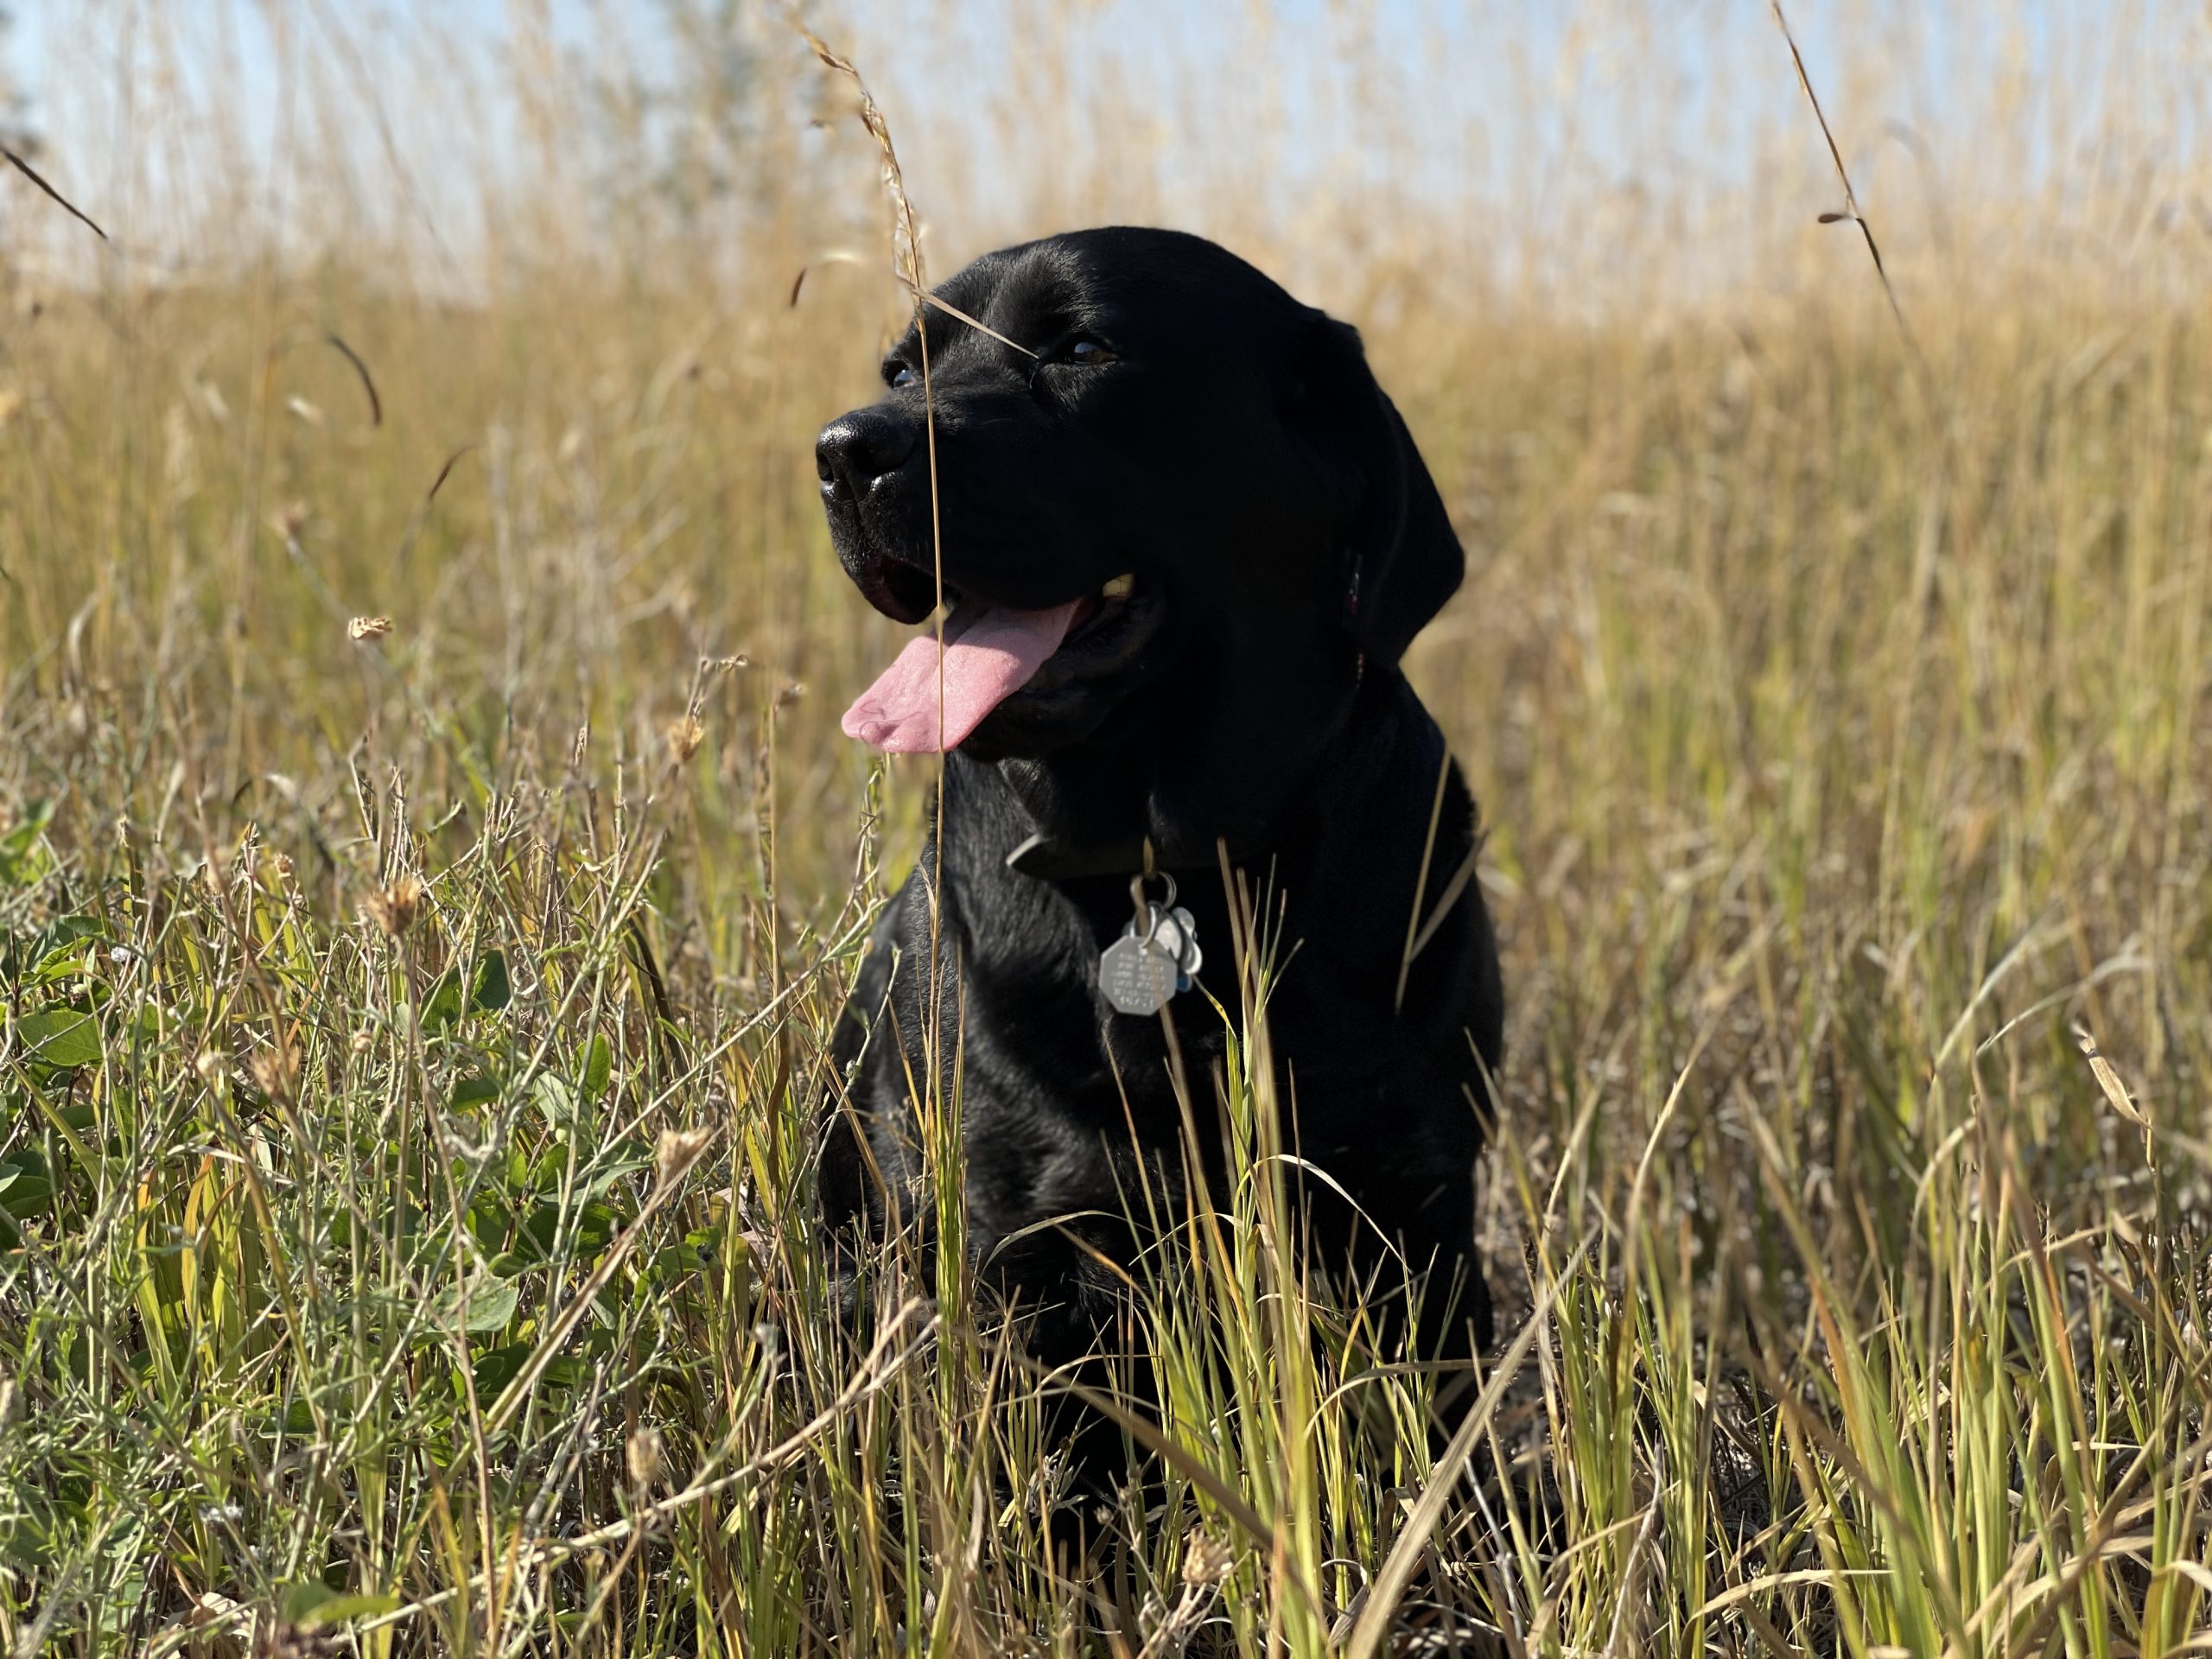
(1186, 540)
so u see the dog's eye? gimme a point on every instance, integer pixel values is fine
(1086, 351)
(896, 373)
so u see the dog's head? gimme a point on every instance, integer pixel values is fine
(1176, 515)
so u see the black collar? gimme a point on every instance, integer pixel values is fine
(1050, 860)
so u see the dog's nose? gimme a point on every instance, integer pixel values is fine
(856, 449)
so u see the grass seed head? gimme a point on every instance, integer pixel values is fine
(394, 907)
(646, 1455)
(679, 1150)
(1209, 1560)
(275, 1070)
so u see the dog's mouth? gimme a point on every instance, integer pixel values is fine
(948, 681)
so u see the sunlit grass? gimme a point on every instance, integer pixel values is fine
(414, 1041)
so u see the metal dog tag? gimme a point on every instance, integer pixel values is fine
(1137, 976)
(1140, 972)
(1176, 933)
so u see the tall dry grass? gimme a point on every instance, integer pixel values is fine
(412, 1040)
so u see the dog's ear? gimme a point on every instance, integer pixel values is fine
(1402, 558)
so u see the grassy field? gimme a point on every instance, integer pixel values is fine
(429, 868)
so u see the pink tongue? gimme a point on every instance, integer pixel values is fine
(990, 653)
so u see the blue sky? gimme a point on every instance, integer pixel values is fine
(1525, 116)
(1482, 39)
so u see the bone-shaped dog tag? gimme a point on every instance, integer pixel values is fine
(1176, 933)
